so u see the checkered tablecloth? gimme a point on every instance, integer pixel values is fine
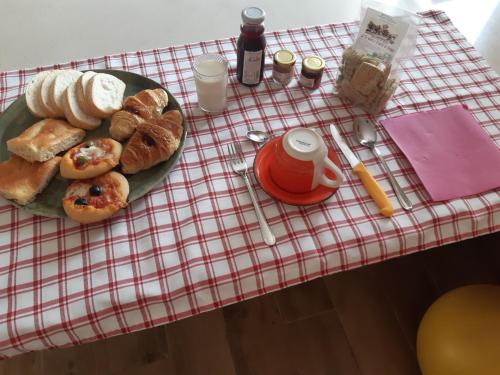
(193, 244)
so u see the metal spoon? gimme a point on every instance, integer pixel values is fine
(367, 136)
(258, 136)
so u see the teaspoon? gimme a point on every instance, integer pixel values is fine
(258, 136)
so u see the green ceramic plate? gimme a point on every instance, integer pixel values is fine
(49, 202)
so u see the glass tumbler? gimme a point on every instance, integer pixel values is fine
(210, 74)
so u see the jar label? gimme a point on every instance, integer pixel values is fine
(283, 78)
(306, 82)
(251, 67)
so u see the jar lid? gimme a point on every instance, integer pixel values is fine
(313, 64)
(253, 15)
(284, 57)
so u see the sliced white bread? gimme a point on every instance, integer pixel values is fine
(58, 88)
(74, 113)
(104, 95)
(33, 94)
(81, 88)
(45, 94)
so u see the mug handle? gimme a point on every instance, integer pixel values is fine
(338, 174)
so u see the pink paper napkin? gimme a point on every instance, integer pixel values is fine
(449, 150)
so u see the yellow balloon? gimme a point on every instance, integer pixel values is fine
(460, 333)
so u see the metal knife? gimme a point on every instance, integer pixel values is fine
(370, 184)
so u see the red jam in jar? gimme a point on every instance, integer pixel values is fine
(312, 72)
(251, 45)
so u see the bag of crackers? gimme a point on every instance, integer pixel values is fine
(369, 72)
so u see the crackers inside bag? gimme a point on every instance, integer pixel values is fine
(368, 74)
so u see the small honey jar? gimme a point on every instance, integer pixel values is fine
(283, 66)
(312, 72)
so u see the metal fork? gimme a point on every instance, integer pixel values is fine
(239, 166)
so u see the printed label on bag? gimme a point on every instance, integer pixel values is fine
(252, 61)
(380, 35)
(306, 82)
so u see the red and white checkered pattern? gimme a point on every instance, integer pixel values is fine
(193, 244)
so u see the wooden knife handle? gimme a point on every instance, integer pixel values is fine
(374, 189)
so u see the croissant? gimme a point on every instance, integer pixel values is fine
(123, 125)
(145, 105)
(156, 100)
(148, 146)
(171, 120)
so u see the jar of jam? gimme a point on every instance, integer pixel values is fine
(283, 66)
(250, 47)
(312, 72)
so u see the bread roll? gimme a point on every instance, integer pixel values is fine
(21, 180)
(45, 139)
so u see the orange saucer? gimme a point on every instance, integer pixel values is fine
(261, 170)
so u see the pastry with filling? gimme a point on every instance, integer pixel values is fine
(96, 199)
(90, 159)
(152, 143)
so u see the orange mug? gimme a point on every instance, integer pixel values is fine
(300, 160)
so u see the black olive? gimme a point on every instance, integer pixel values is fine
(81, 202)
(148, 140)
(81, 160)
(95, 190)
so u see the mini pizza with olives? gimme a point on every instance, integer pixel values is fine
(91, 159)
(96, 199)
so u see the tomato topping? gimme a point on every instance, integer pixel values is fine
(90, 153)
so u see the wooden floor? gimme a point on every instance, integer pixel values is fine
(358, 322)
